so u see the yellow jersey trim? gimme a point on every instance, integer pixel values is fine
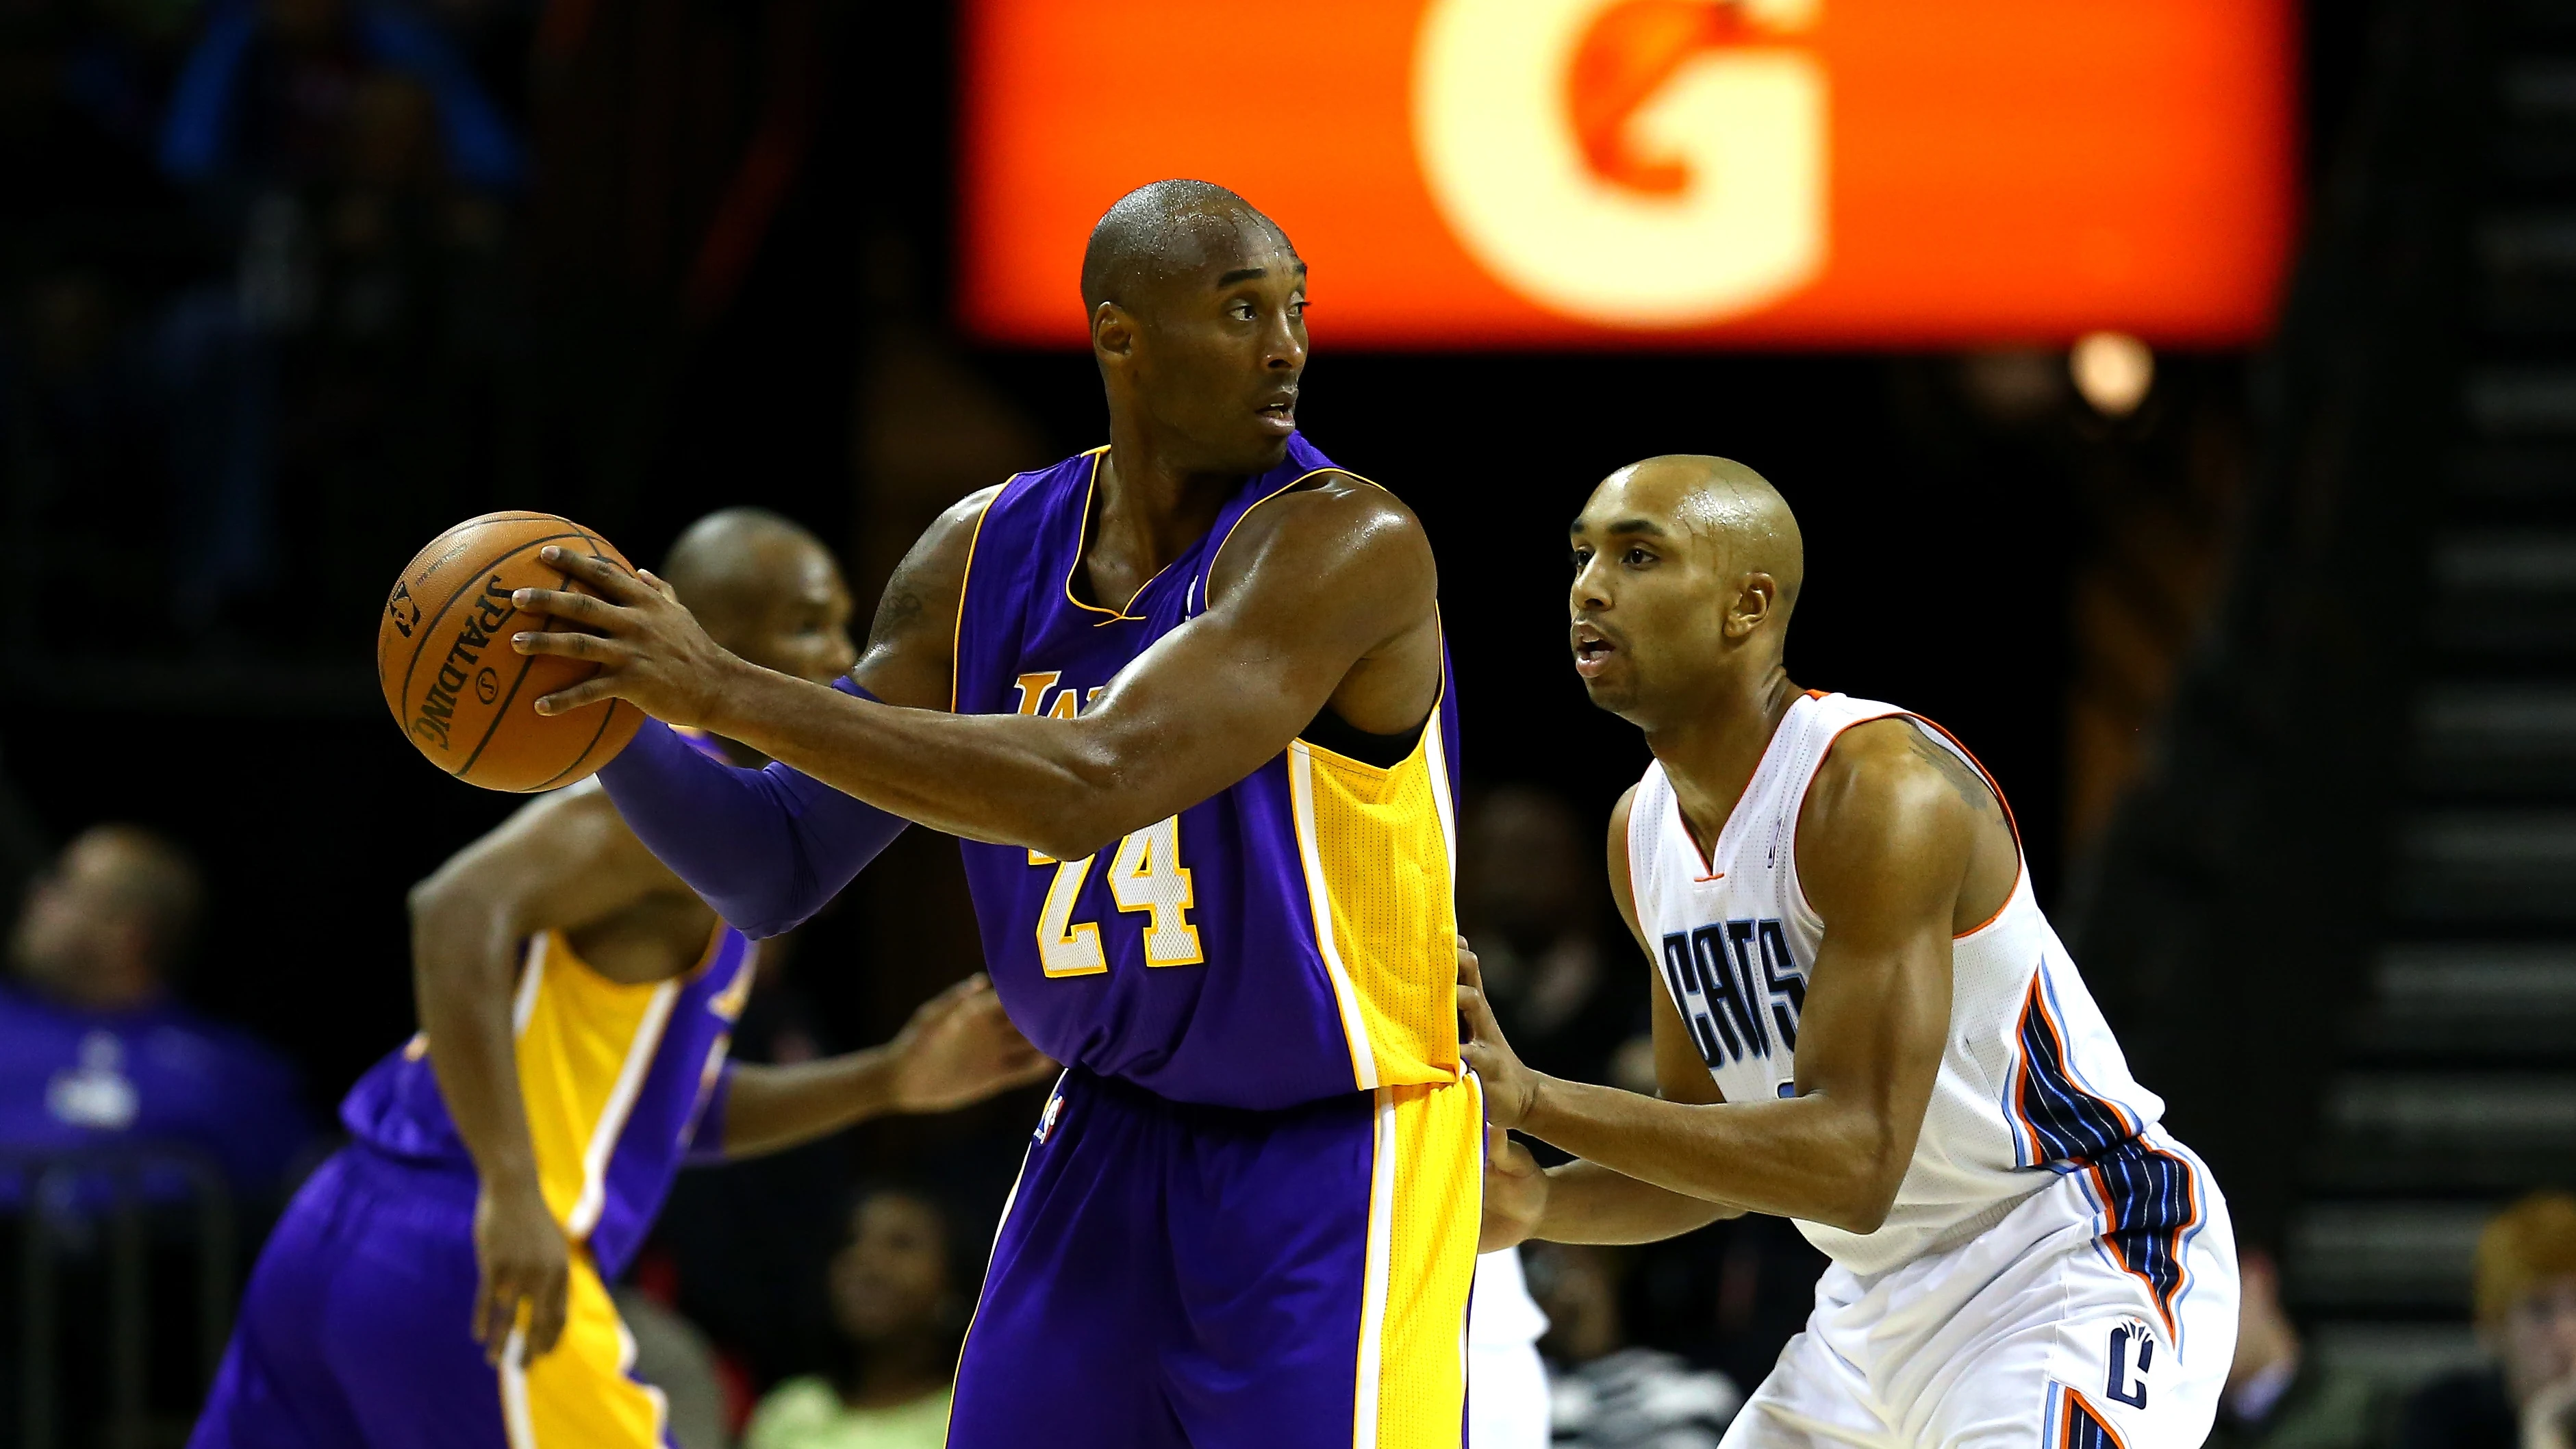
(957, 626)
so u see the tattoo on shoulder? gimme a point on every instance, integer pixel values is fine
(896, 611)
(1971, 786)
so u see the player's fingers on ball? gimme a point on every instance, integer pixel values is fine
(582, 695)
(547, 601)
(607, 577)
(660, 584)
(579, 608)
(570, 646)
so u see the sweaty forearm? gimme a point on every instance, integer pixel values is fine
(768, 1109)
(766, 848)
(1809, 1157)
(1588, 1203)
(463, 970)
(1060, 787)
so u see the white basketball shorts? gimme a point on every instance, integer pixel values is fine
(2060, 1327)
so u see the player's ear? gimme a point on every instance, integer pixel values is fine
(1754, 603)
(1113, 332)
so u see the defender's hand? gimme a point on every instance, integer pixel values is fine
(649, 648)
(520, 1257)
(1515, 1193)
(960, 1048)
(1510, 1088)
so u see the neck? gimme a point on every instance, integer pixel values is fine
(1150, 507)
(1710, 749)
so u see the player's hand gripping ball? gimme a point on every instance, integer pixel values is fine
(463, 697)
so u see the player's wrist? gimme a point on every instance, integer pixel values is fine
(728, 704)
(1538, 1099)
(511, 1181)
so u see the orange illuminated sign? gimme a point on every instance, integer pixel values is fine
(1617, 172)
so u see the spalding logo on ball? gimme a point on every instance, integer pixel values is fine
(462, 695)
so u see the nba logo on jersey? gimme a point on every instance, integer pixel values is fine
(1739, 988)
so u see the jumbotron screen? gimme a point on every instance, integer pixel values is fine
(1550, 173)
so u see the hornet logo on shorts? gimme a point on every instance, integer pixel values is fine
(1642, 163)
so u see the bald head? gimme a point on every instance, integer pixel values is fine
(730, 560)
(1727, 506)
(1162, 231)
(764, 587)
(1687, 568)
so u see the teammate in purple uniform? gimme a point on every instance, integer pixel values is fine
(440, 1283)
(1185, 697)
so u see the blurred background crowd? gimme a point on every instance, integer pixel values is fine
(2274, 648)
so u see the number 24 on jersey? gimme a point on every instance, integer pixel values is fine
(1145, 874)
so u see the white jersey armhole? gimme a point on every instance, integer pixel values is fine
(1940, 738)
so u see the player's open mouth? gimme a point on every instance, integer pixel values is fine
(1281, 413)
(1591, 651)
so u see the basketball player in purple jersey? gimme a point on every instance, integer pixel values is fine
(440, 1283)
(1863, 1022)
(1185, 698)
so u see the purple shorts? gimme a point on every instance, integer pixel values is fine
(1212, 1278)
(354, 1334)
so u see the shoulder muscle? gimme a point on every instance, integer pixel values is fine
(1338, 539)
(908, 660)
(1886, 828)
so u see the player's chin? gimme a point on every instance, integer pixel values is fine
(1608, 692)
(1264, 449)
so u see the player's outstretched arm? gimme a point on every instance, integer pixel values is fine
(562, 862)
(768, 848)
(1325, 596)
(1883, 843)
(958, 1049)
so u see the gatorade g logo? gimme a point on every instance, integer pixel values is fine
(1642, 163)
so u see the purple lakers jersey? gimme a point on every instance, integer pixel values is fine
(618, 1080)
(1290, 938)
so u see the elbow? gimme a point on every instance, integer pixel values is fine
(1089, 810)
(1864, 1205)
(1866, 1194)
(435, 906)
(449, 923)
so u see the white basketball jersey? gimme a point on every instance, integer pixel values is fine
(2031, 1083)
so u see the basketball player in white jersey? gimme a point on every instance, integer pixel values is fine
(1863, 1023)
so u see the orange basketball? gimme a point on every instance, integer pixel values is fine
(462, 695)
